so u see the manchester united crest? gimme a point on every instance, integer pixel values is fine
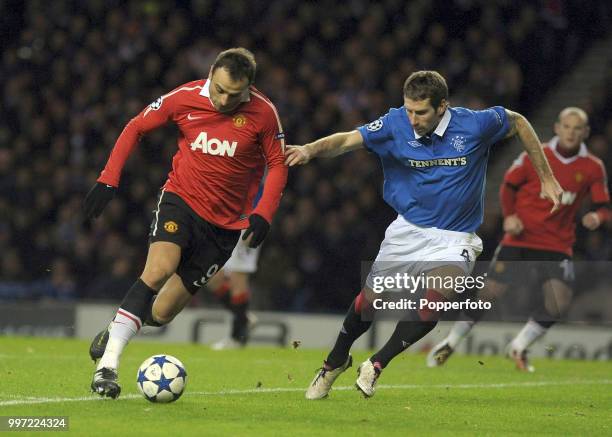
(239, 120)
(171, 227)
(579, 177)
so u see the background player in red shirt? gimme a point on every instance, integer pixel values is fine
(533, 233)
(229, 132)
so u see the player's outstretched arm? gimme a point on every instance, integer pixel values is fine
(156, 114)
(326, 147)
(520, 126)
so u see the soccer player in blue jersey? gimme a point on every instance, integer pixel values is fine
(434, 159)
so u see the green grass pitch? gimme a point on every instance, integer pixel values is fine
(260, 391)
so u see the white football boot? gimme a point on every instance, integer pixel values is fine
(367, 378)
(322, 383)
(438, 355)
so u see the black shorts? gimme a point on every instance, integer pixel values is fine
(205, 247)
(512, 264)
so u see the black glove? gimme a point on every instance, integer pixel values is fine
(259, 227)
(97, 199)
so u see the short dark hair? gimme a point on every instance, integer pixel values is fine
(421, 85)
(239, 62)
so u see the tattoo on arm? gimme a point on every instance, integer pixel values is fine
(512, 116)
(520, 126)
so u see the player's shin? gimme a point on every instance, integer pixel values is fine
(352, 328)
(127, 322)
(458, 332)
(406, 332)
(462, 328)
(529, 334)
(239, 308)
(223, 293)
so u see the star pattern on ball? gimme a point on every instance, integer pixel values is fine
(164, 383)
(160, 360)
(141, 377)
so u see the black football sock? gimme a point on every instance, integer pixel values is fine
(138, 300)
(224, 295)
(149, 320)
(238, 305)
(240, 323)
(406, 333)
(226, 301)
(546, 324)
(352, 328)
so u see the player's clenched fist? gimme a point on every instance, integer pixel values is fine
(297, 155)
(591, 221)
(257, 230)
(97, 199)
(513, 225)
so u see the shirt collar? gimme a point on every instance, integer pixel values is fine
(441, 128)
(582, 152)
(246, 96)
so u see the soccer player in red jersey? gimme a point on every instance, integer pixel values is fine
(533, 233)
(229, 133)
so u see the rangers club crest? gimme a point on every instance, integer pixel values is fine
(458, 142)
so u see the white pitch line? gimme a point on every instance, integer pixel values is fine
(45, 400)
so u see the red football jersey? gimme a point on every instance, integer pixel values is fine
(221, 157)
(578, 175)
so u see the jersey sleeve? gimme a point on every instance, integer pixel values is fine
(507, 198)
(156, 114)
(376, 133)
(492, 124)
(272, 140)
(599, 186)
(514, 177)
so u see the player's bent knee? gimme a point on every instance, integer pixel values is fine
(163, 316)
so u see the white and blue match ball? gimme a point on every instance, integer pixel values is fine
(162, 378)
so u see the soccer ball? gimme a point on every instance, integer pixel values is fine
(161, 378)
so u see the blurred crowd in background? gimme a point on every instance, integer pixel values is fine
(74, 73)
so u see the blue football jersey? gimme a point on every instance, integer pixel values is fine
(437, 180)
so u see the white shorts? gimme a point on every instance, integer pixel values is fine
(243, 259)
(412, 249)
